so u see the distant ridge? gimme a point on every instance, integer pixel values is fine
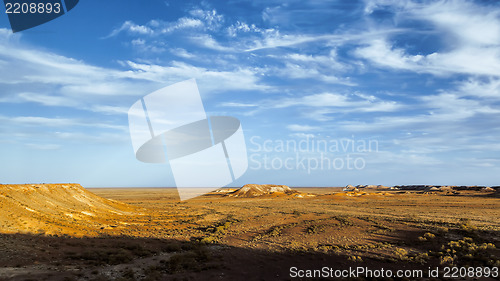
(426, 187)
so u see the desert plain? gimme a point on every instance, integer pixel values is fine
(258, 232)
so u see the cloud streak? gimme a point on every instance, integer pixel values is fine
(471, 32)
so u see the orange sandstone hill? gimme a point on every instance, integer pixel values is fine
(256, 190)
(58, 208)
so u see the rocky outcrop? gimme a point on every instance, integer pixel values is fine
(440, 187)
(350, 188)
(256, 190)
(55, 208)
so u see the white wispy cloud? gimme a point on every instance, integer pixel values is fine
(302, 135)
(272, 38)
(183, 53)
(301, 128)
(48, 100)
(40, 146)
(321, 107)
(467, 60)
(316, 100)
(330, 60)
(471, 23)
(474, 87)
(58, 122)
(451, 106)
(212, 19)
(39, 121)
(326, 68)
(212, 80)
(67, 80)
(109, 109)
(49, 79)
(470, 31)
(130, 27)
(298, 71)
(242, 27)
(445, 112)
(381, 53)
(181, 23)
(209, 42)
(200, 19)
(237, 104)
(345, 102)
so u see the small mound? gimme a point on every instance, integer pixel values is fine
(351, 188)
(256, 190)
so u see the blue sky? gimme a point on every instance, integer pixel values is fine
(419, 78)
